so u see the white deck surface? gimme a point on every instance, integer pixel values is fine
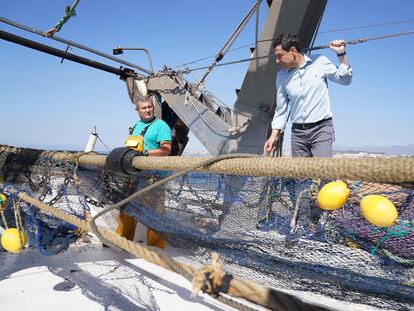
(90, 277)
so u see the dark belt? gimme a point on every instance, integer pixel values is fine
(305, 126)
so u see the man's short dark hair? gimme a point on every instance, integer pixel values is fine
(287, 40)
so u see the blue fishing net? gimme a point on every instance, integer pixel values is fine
(50, 182)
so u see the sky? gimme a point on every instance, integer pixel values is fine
(52, 105)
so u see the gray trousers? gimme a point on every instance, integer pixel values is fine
(313, 139)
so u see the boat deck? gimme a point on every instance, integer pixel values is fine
(91, 277)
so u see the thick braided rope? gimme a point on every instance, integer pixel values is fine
(161, 182)
(398, 258)
(245, 289)
(130, 247)
(380, 170)
(268, 297)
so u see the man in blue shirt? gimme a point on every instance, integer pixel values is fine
(302, 93)
(157, 142)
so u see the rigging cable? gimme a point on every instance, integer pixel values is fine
(217, 130)
(351, 42)
(97, 136)
(368, 26)
(320, 32)
(319, 47)
(362, 40)
(219, 56)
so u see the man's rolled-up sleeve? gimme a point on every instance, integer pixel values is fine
(341, 75)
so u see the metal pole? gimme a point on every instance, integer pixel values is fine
(141, 49)
(71, 43)
(123, 73)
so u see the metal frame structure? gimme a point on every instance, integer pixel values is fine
(189, 107)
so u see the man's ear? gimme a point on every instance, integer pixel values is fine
(293, 49)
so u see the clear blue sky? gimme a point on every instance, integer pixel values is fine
(45, 104)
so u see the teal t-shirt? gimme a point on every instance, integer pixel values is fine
(157, 132)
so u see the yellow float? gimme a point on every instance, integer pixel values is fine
(333, 195)
(378, 210)
(10, 240)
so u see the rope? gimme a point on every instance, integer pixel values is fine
(351, 42)
(172, 265)
(398, 259)
(133, 248)
(189, 93)
(296, 211)
(186, 71)
(4, 219)
(75, 157)
(312, 191)
(69, 12)
(393, 170)
(200, 114)
(368, 26)
(97, 136)
(318, 32)
(398, 231)
(18, 219)
(362, 40)
(226, 106)
(380, 170)
(239, 288)
(230, 41)
(158, 184)
(245, 289)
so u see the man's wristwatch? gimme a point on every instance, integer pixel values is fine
(341, 54)
(145, 153)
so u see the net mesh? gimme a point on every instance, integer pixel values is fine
(269, 230)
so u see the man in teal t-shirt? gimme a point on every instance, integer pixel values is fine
(157, 138)
(157, 132)
(157, 142)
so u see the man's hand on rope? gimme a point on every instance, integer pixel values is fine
(338, 46)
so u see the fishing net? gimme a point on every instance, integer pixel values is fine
(50, 181)
(266, 229)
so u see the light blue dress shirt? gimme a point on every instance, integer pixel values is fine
(304, 91)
